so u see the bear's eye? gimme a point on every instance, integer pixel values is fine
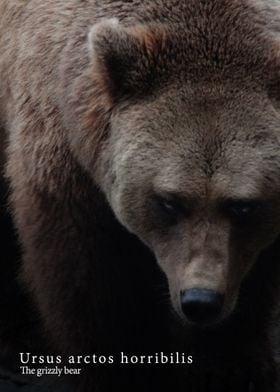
(167, 206)
(168, 209)
(243, 211)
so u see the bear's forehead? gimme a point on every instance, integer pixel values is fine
(235, 176)
(206, 115)
(195, 140)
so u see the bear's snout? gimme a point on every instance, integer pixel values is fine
(201, 306)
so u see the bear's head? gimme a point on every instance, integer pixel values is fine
(187, 152)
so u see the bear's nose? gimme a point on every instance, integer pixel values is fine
(201, 306)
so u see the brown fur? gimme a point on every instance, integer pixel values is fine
(111, 105)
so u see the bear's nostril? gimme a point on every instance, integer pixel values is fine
(201, 306)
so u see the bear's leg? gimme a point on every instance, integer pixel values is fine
(83, 271)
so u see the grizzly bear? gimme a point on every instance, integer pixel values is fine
(144, 173)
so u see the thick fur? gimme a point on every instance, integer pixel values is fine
(107, 103)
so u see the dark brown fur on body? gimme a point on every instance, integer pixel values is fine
(110, 105)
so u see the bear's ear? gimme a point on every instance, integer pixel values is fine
(125, 58)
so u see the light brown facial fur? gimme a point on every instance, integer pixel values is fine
(193, 170)
(218, 156)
